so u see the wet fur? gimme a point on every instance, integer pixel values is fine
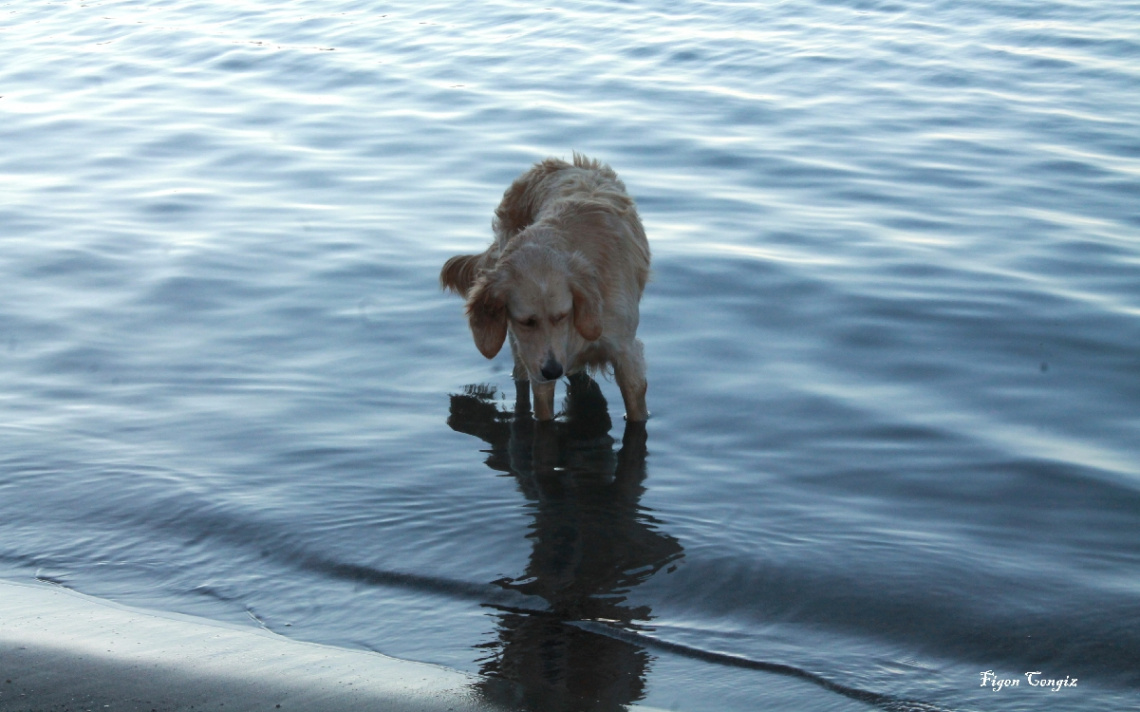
(561, 281)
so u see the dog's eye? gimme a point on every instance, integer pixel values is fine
(528, 323)
(557, 319)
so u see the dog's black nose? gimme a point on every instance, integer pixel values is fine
(551, 369)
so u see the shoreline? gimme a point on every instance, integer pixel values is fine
(61, 650)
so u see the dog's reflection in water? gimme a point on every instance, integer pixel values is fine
(591, 544)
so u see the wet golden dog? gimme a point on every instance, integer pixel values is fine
(562, 280)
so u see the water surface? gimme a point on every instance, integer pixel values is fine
(893, 336)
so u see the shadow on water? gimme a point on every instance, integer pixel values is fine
(591, 544)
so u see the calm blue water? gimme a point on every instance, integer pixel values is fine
(893, 338)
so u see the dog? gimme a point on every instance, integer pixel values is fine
(562, 280)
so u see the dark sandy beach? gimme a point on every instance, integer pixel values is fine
(63, 651)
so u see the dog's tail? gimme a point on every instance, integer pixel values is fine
(458, 273)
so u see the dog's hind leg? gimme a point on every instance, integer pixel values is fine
(629, 372)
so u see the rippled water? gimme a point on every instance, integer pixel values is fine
(893, 337)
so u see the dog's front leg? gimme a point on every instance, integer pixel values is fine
(543, 392)
(522, 383)
(543, 399)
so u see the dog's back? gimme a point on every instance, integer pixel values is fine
(559, 192)
(552, 180)
(584, 199)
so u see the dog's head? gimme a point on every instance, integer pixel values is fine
(550, 301)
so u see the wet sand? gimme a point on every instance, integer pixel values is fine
(63, 651)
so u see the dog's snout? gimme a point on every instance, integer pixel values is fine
(551, 369)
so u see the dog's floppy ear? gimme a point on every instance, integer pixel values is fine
(458, 273)
(487, 314)
(587, 298)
